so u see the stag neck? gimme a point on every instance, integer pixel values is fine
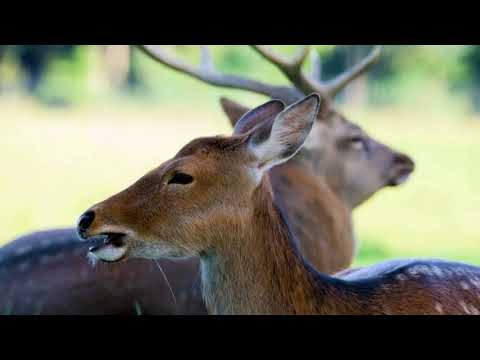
(306, 200)
(258, 269)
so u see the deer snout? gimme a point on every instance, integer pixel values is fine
(84, 222)
(402, 167)
(107, 244)
(403, 160)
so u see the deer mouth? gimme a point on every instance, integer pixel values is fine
(109, 247)
(402, 174)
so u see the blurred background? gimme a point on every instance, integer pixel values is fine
(80, 123)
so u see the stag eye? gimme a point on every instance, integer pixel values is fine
(180, 178)
(357, 143)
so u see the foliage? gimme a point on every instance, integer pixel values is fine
(404, 74)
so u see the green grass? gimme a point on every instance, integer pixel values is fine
(55, 164)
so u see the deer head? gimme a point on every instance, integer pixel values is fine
(187, 205)
(352, 163)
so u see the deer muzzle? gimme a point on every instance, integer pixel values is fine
(106, 246)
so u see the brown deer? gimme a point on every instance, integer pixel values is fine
(306, 190)
(214, 200)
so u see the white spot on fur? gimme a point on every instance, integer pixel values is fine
(464, 285)
(426, 270)
(474, 310)
(464, 307)
(439, 308)
(475, 282)
(437, 271)
(413, 272)
(401, 277)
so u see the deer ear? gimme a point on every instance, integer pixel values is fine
(233, 110)
(275, 142)
(258, 115)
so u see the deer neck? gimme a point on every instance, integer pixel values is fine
(319, 219)
(257, 268)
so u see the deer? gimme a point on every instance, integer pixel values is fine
(303, 188)
(214, 200)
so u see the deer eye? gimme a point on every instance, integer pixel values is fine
(180, 178)
(357, 143)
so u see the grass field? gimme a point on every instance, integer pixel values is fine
(55, 164)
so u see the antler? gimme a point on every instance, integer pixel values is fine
(292, 69)
(206, 72)
(337, 84)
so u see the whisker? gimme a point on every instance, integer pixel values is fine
(92, 259)
(166, 279)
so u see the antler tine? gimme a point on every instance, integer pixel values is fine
(316, 72)
(206, 61)
(292, 69)
(333, 87)
(289, 65)
(207, 73)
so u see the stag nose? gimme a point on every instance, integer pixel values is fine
(402, 159)
(86, 219)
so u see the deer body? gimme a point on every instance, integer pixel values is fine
(214, 200)
(47, 273)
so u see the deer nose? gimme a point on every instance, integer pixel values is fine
(86, 219)
(402, 159)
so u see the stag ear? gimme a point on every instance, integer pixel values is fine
(275, 142)
(233, 110)
(257, 116)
